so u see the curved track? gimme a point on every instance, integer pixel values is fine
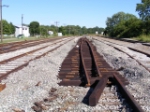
(85, 67)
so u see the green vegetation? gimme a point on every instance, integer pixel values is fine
(18, 39)
(121, 25)
(8, 28)
(69, 30)
(10, 39)
(38, 31)
(124, 25)
(34, 28)
(144, 9)
(144, 38)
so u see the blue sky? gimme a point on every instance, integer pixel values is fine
(89, 13)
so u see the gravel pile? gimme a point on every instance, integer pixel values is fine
(138, 77)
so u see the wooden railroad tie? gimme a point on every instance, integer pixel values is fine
(2, 87)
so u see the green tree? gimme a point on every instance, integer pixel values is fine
(84, 30)
(6, 27)
(44, 30)
(117, 18)
(129, 28)
(69, 30)
(97, 29)
(143, 9)
(12, 28)
(34, 28)
(60, 29)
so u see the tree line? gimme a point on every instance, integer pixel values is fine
(126, 25)
(36, 29)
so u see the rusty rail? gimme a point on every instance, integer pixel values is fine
(94, 59)
(3, 76)
(8, 47)
(129, 54)
(136, 107)
(94, 97)
(21, 55)
(83, 64)
(108, 76)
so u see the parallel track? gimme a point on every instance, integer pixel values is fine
(117, 48)
(15, 63)
(9, 47)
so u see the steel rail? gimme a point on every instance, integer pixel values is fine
(23, 44)
(83, 64)
(25, 64)
(98, 82)
(129, 97)
(21, 55)
(127, 54)
(94, 97)
(97, 69)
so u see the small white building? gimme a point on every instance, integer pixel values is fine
(59, 34)
(22, 30)
(50, 32)
(96, 32)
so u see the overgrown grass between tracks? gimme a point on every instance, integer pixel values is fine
(144, 38)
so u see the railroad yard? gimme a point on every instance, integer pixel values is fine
(75, 74)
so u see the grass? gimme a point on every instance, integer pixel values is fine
(14, 39)
(8, 40)
(143, 38)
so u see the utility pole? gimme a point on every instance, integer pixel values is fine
(2, 19)
(1, 22)
(22, 23)
(69, 30)
(56, 26)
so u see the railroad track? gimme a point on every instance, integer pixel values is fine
(9, 55)
(127, 44)
(133, 41)
(85, 67)
(144, 64)
(17, 62)
(9, 47)
(140, 96)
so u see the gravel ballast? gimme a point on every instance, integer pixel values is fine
(21, 91)
(138, 77)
